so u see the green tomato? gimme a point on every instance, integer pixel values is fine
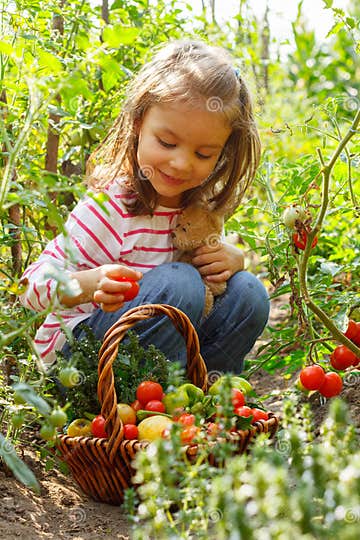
(47, 432)
(58, 418)
(176, 400)
(17, 419)
(69, 377)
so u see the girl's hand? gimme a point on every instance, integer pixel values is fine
(218, 263)
(100, 285)
(109, 292)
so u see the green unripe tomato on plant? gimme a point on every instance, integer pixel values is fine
(17, 419)
(58, 418)
(47, 432)
(69, 377)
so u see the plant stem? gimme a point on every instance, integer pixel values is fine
(303, 263)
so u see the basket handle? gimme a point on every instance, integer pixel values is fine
(196, 367)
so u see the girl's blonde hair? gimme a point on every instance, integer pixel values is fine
(196, 73)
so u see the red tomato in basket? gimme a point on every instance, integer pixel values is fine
(98, 427)
(259, 414)
(243, 411)
(155, 406)
(136, 405)
(188, 434)
(237, 397)
(186, 419)
(129, 294)
(131, 432)
(148, 391)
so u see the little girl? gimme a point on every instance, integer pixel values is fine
(186, 133)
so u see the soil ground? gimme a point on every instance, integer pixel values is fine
(63, 512)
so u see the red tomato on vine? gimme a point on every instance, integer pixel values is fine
(312, 377)
(332, 385)
(300, 239)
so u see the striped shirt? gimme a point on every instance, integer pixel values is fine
(99, 230)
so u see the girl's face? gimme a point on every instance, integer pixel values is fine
(179, 147)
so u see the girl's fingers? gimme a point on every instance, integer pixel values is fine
(218, 278)
(102, 297)
(112, 286)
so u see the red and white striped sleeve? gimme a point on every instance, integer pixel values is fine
(85, 245)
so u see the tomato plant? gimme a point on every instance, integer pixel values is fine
(148, 391)
(69, 376)
(312, 377)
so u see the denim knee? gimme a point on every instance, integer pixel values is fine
(253, 299)
(178, 284)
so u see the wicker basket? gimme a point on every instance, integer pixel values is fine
(102, 467)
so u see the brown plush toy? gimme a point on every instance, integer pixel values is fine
(197, 226)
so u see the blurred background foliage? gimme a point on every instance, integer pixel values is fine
(64, 69)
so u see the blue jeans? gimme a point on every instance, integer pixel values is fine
(226, 335)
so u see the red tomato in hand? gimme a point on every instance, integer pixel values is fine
(149, 390)
(312, 377)
(332, 385)
(342, 357)
(237, 398)
(130, 432)
(299, 240)
(259, 414)
(155, 405)
(98, 427)
(129, 294)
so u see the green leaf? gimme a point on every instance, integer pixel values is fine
(20, 470)
(6, 48)
(118, 35)
(49, 62)
(328, 3)
(30, 396)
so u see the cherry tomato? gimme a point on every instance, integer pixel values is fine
(98, 427)
(352, 330)
(155, 405)
(188, 434)
(312, 377)
(129, 294)
(259, 414)
(149, 390)
(237, 397)
(136, 405)
(244, 411)
(186, 419)
(332, 385)
(130, 432)
(356, 338)
(342, 357)
(299, 240)
(213, 429)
